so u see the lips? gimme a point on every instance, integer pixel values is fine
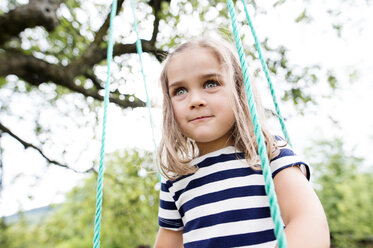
(201, 118)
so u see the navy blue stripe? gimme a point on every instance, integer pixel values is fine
(231, 193)
(214, 177)
(211, 161)
(228, 216)
(164, 187)
(221, 158)
(307, 171)
(170, 223)
(284, 152)
(167, 205)
(235, 240)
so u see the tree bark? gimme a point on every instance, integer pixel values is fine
(36, 13)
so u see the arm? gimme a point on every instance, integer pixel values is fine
(169, 239)
(301, 210)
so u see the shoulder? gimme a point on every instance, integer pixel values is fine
(285, 157)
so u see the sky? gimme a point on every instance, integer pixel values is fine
(308, 43)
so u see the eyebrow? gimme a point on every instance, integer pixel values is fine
(204, 76)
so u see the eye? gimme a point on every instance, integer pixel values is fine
(179, 91)
(211, 84)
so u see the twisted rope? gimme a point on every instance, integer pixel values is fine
(96, 238)
(266, 72)
(269, 186)
(100, 178)
(139, 51)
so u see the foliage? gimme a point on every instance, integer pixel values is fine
(129, 215)
(72, 51)
(345, 192)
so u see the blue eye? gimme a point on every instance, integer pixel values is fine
(211, 84)
(180, 91)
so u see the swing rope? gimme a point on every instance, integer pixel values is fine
(96, 239)
(269, 186)
(100, 178)
(139, 51)
(266, 72)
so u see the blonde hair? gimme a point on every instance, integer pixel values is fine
(176, 150)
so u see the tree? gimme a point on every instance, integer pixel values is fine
(344, 190)
(53, 49)
(129, 213)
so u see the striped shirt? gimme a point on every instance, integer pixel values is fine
(224, 203)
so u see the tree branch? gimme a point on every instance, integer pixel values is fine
(156, 6)
(155, 29)
(36, 71)
(27, 145)
(96, 82)
(93, 53)
(147, 46)
(103, 29)
(36, 13)
(88, 60)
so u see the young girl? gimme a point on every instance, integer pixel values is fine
(214, 193)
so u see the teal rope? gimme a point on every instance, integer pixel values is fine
(139, 51)
(269, 186)
(265, 69)
(100, 179)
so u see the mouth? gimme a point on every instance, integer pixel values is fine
(201, 118)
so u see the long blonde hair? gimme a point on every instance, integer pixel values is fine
(176, 150)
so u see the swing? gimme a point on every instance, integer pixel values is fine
(269, 186)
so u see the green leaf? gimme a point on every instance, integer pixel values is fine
(303, 17)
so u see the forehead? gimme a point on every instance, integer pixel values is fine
(192, 62)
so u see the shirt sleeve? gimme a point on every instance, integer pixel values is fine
(287, 158)
(168, 214)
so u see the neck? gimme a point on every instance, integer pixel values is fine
(207, 147)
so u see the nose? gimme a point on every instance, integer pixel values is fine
(197, 100)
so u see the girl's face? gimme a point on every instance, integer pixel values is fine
(200, 97)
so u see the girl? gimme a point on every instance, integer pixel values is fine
(214, 192)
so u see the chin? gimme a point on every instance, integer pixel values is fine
(202, 139)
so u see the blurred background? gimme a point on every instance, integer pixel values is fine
(52, 75)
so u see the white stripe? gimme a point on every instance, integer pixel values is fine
(165, 196)
(227, 205)
(204, 171)
(228, 229)
(284, 161)
(173, 229)
(225, 150)
(281, 162)
(303, 169)
(254, 179)
(168, 214)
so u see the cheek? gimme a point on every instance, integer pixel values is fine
(232, 117)
(178, 117)
(177, 113)
(229, 115)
